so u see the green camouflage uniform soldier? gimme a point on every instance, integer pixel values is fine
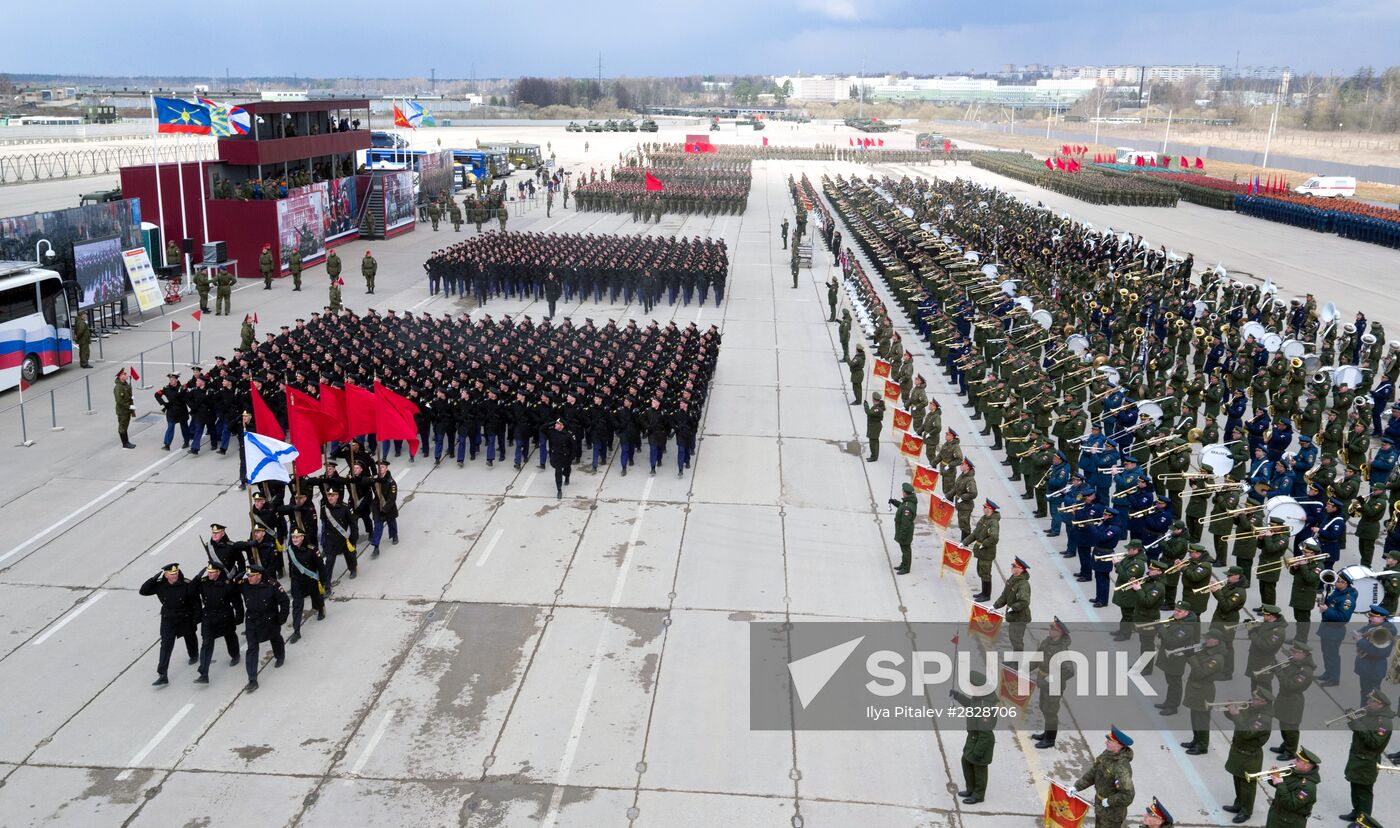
(1272, 547)
(843, 331)
(1295, 794)
(246, 334)
(265, 266)
(981, 740)
(1130, 568)
(1111, 778)
(983, 540)
(1207, 667)
(82, 334)
(907, 509)
(121, 393)
(434, 214)
(874, 424)
(832, 287)
(368, 268)
(333, 266)
(1368, 528)
(294, 266)
(964, 495)
(201, 286)
(1251, 733)
(455, 213)
(172, 254)
(1370, 733)
(783, 231)
(1016, 597)
(334, 300)
(1173, 548)
(793, 268)
(1057, 641)
(223, 292)
(501, 217)
(857, 368)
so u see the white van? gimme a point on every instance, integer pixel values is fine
(1328, 186)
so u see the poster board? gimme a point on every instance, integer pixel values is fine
(398, 199)
(142, 277)
(99, 271)
(301, 226)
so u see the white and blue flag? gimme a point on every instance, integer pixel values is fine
(266, 458)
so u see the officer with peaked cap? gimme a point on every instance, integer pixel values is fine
(179, 613)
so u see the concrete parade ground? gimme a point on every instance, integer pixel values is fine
(520, 660)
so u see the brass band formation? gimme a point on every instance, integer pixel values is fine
(1102, 367)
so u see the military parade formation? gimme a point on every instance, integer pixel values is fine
(1102, 368)
(1192, 437)
(551, 266)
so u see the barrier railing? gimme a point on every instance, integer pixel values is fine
(20, 167)
(74, 397)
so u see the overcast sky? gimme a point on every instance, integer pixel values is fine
(357, 38)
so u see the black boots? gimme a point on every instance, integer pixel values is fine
(126, 444)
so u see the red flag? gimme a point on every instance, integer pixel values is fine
(1140, 162)
(1014, 688)
(23, 384)
(765, 140)
(1059, 163)
(984, 621)
(174, 326)
(1184, 162)
(902, 419)
(925, 478)
(1063, 810)
(255, 317)
(911, 445)
(654, 184)
(1064, 149)
(359, 409)
(305, 423)
(263, 420)
(708, 147)
(134, 375)
(851, 141)
(1152, 162)
(947, 145)
(891, 390)
(393, 416)
(1049, 165)
(882, 368)
(1200, 165)
(880, 141)
(940, 512)
(333, 404)
(198, 315)
(955, 557)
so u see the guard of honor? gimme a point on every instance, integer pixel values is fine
(1108, 455)
(611, 268)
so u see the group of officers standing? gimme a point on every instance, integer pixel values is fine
(1106, 475)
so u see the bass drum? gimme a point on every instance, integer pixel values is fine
(1294, 349)
(1151, 410)
(1045, 319)
(1077, 343)
(1289, 510)
(1216, 459)
(1348, 374)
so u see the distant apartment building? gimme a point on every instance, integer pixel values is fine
(1136, 74)
(1261, 72)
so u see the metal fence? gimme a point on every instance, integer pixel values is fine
(50, 165)
(53, 401)
(1316, 166)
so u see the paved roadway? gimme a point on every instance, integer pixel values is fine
(518, 660)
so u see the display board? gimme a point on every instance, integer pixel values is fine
(339, 206)
(142, 278)
(99, 270)
(435, 174)
(301, 226)
(398, 199)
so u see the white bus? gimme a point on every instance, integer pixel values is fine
(36, 332)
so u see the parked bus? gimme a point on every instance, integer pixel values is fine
(522, 156)
(479, 162)
(36, 332)
(392, 159)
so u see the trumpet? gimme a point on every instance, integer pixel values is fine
(1272, 667)
(1140, 512)
(1349, 716)
(1231, 703)
(1145, 625)
(1114, 557)
(1098, 519)
(1130, 584)
(1176, 567)
(1388, 768)
(1279, 772)
(1188, 649)
(1210, 587)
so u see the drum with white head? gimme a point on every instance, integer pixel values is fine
(1216, 459)
(990, 270)
(1287, 509)
(1294, 348)
(1110, 373)
(1348, 374)
(1151, 410)
(1272, 342)
(1044, 319)
(1077, 343)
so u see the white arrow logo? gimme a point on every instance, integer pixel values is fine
(811, 673)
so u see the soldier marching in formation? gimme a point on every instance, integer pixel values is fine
(611, 268)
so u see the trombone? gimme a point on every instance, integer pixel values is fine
(1288, 563)
(1280, 772)
(1231, 703)
(1150, 624)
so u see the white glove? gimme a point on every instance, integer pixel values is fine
(1104, 802)
(1071, 791)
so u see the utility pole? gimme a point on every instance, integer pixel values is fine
(432, 80)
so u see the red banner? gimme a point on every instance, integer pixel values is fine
(955, 557)
(891, 390)
(910, 445)
(902, 419)
(882, 368)
(1009, 689)
(925, 479)
(940, 512)
(1063, 810)
(983, 621)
